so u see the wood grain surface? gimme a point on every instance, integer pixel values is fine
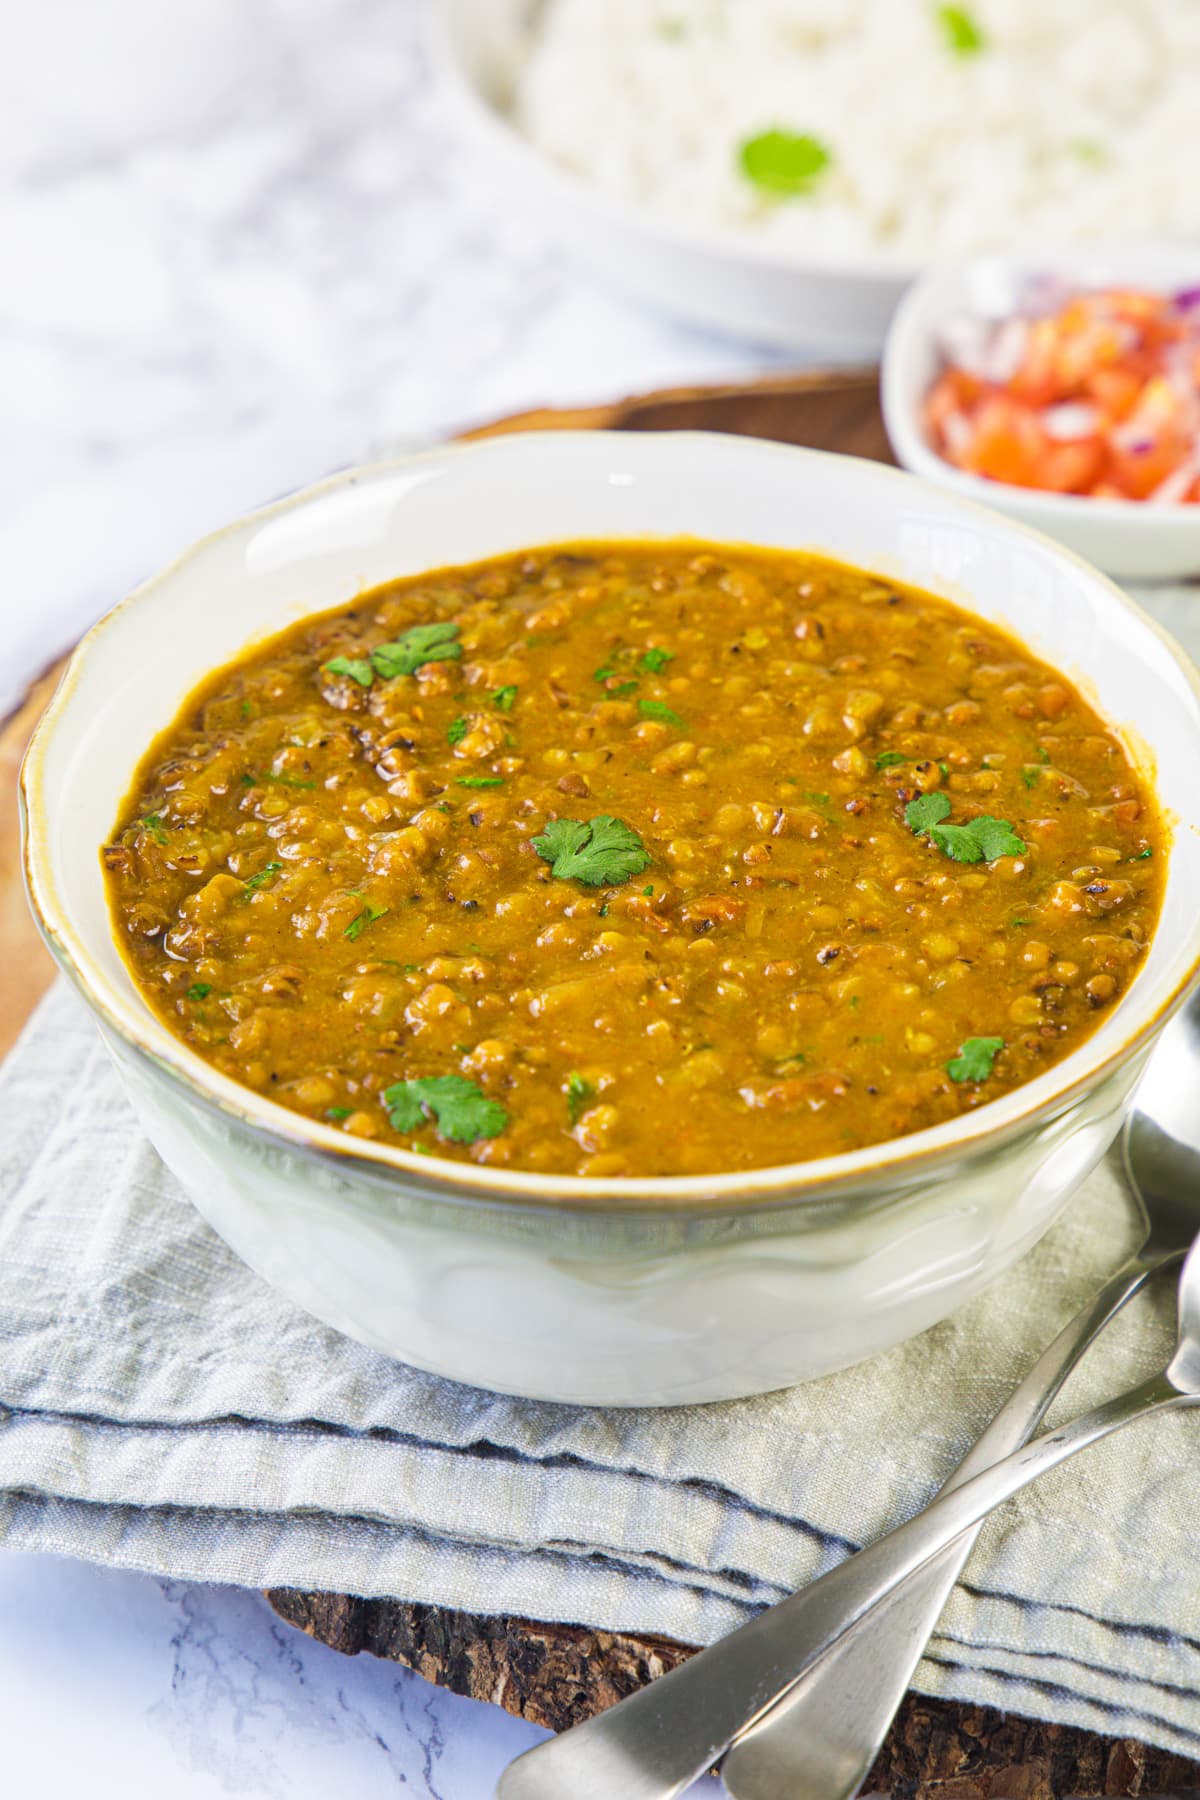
(556, 1674)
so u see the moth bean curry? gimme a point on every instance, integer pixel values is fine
(636, 859)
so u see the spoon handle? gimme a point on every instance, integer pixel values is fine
(819, 1741)
(658, 1740)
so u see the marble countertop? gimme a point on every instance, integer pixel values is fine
(243, 246)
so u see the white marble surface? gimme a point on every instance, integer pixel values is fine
(241, 246)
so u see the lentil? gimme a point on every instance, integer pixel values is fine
(325, 877)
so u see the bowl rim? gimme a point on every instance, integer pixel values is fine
(910, 336)
(498, 130)
(894, 1162)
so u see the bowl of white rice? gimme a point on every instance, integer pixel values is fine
(781, 169)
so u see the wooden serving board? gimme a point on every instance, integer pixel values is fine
(555, 1674)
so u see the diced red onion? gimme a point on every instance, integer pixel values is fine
(1072, 419)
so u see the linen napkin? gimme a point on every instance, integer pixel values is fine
(162, 1409)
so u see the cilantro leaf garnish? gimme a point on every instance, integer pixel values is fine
(419, 645)
(264, 874)
(656, 659)
(974, 1060)
(456, 731)
(504, 698)
(154, 828)
(785, 164)
(579, 1092)
(963, 34)
(337, 1112)
(199, 990)
(1142, 855)
(622, 687)
(479, 781)
(358, 668)
(601, 852)
(981, 840)
(359, 923)
(887, 759)
(462, 1110)
(604, 673)
(654, 709)
(1030, 777)
(926, 810)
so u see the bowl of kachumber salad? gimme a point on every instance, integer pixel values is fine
(624, 919)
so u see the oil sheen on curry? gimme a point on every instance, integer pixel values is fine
(636, 859)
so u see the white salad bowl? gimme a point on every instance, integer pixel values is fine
(621, 1291)
(722, 279)
(1138, 540)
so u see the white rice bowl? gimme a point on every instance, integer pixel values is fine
(1076, 120)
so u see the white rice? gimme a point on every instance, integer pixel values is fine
(1078, 120)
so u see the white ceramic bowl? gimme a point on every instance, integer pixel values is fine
(620, 1291)
(717, 278)
(1128, 538)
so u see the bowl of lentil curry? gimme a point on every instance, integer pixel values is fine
(624, 919)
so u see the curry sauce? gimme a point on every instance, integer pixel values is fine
(636, 859)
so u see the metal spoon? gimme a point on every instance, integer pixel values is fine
(654, 1743)
(819, 1741)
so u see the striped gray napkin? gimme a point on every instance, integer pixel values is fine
(162, 1409)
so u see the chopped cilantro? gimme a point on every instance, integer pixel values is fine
(647, 891)
(359, 923)
(462, 1110)
(579, 1092)
(1030, 777)
(961, 30)
(982, 840)
(358, 668)
(784, 164)
(599, 851)
(945, 769)
(246, 779)
(974, 1060)
(154, 828)
(247, 709)
(602, 911)
(456, 731)
(504, 698)
(926, 810)
(199, 990)
(887, 759)
(414, 648)
(479, 781)
(625, 687)
(337, 1112)
(654, 709)
(1143, 854)
(256, 881)
(1043, 755)
(603, 674)
(656, 659)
